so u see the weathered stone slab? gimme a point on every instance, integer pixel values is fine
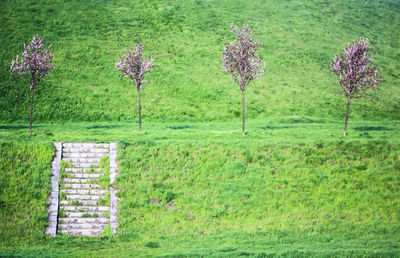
(83, 202)
(77, 180)
(84, 220)
(85, 191)
(71, 214)
(86, 208)
(52, 209)
(81, 186)
(84, 155)
(85, 150)
(82, 170)
(84, 197)
(84, 175)
(113, 197)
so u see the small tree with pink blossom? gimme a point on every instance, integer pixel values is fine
(356, 72)
(34, 65)
(241, 61)
(135, 67)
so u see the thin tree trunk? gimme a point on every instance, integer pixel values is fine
(347, 116)
(30, 118)
(140, 116)
(243, 112)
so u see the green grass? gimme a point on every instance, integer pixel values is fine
(24, 188)
(281, 129)
(231, 197)
(186, 37)
(191, 185)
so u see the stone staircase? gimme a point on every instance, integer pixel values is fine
(85, 208)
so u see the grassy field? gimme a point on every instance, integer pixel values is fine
(207, 191)
(186, 37)
(191, 185)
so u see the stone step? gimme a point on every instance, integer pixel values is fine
(85, 150)
(84, 220)
(83, 155)
(84, 175)
(81, 232)
(81, 186)
(83, 170)
(86, 208)
(67, 226)
(94, 161)
(78, 214)
(80, 197)
(77, 180)
(86, 145)
(83, 165)
(83, 202)
(85, 191)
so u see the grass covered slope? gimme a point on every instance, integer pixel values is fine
(230, 198)
(24, 188)
(186, 38)
(338, 198)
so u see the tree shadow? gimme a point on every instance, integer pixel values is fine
(278, 127)
(15, 127)
(372, 128)
(102, 127)
(181, 127)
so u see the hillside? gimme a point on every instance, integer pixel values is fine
(186, 38)
(234, 198)
(192, 185)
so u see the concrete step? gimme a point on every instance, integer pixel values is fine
(83, 155)
(77, 180)
(78, 214)
(84, 220)
(85, 191)
(81, 186)
(94, 161)
(86, 145)
(83, 202)
(86, 208)
(85, 150)
(80, 197)
(83, 165)
(81, 232)
(67, 226)
(84, 175)
(83, 170)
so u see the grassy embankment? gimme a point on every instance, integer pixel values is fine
(186, 37)
(232, 197)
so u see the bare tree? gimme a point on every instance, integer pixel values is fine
(240, 60)
(134, 66)
(356, 72)
(34, 64)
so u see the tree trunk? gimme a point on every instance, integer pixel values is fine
(30, 118)
(243, 112)
(347, 116)
(140, 115)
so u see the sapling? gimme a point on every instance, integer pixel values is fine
(135, 67)
(241, 61)
(356, 72)
(34, 65)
